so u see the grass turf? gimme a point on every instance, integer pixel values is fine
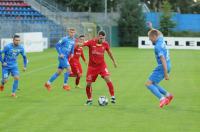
(37, 110)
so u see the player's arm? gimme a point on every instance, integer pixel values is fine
(58, 47)
(83, 57)
(23, 53)
(3, 52)
(86, 43)
(164, 63)
(112, 58)
(71, 53)
(150, 25)
(160, 53)
(1, 58)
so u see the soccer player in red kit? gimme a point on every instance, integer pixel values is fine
(76, 68)
(97, 65)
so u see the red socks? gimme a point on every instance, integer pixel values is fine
(111, 88)
(77, 80)
(89, 92)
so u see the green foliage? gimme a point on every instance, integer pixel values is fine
(84, 5)
(131, 23)
(185, 34)
(166, 24)
(184, 6)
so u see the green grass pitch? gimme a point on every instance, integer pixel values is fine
(136, 110)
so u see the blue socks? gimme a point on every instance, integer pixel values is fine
(15, 86)
(155, 91)
(162, 90)
(66, 76)
(53, 77)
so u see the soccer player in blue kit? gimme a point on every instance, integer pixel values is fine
(162, 70)
(65, 49)
(9, 63)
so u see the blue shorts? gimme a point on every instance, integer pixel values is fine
(6, 71)
(63, 63)
(158, 74)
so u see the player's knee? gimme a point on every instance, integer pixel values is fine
(79, 75)
(68, 69)
(148, 83)
(89, 85)
(107, 79)
(16, 78)
(5, 81)
(59, 72)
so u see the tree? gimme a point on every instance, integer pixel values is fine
(84, 5)
(166, 24)
(131, 22)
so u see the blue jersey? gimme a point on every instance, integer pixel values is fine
(11, 53)
(66, 46)
(161, 50)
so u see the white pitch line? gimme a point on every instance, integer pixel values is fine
(39, 69)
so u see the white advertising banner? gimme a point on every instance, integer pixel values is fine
(172, 43)
(32, 42)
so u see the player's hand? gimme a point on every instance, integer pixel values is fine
(79, 44)
(4, 64)
(149, 25)
(61, 56)
(24, 69)
(166, 77)
(115, 64)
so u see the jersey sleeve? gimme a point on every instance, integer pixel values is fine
(159, 50)
(87, 43)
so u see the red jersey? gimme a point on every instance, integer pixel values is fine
(78, 52)
(96, 52)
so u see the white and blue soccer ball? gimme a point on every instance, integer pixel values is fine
(103, 101)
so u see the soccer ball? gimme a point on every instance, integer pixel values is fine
(103, 101)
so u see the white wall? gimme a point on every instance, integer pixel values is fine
(172, 43)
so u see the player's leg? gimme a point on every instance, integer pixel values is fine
(53, 78)
(162, 90)
(78, 77)
(152, 87)
(5, 75)
(89, 93)
(91, 77)
(77, 81)
(66, 77)
(165, 93)
(106, 76)
(72, 72)
(15, 74)
(111, 88)
(15, 85)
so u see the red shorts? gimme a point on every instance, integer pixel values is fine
(93, 73)
(76, 69)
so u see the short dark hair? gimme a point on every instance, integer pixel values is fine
(16, 36)
(80, 36)
(103, 33)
